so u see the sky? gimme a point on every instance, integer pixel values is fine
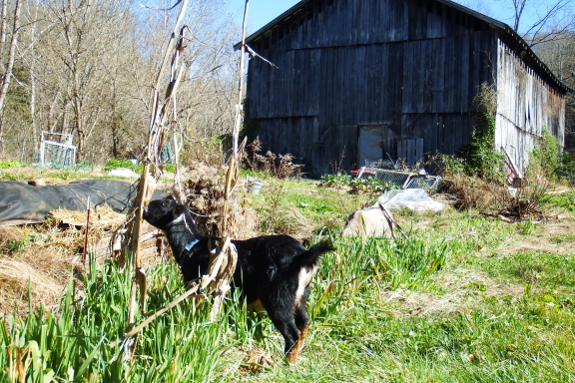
(262, 12)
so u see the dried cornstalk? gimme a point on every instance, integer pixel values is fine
(223, 264)
(152, 168)
(220, 272)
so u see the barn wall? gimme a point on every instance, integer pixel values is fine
(526, 105)
(411, 69)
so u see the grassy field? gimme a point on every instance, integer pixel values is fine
(465, 298)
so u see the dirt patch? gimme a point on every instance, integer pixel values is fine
(555, 237)
(463, 288)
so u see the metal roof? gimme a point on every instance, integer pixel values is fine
(520, 45)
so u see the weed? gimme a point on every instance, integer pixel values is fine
(527, 227)
(278, 165)
(355, 185)
(337, 180)
(448, 164)
(482, 159)
(15, 245)
(7, 164)
(545, 159)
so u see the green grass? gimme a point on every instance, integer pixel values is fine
(564, 201)
(550, 271)
(290, 204)
(364, 328)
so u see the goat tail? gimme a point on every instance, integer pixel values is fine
(312, 257)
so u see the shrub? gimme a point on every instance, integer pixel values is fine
(545, 159)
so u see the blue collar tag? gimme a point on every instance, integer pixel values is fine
(190, 245)
(187, 249)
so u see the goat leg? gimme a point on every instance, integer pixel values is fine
(296, 349)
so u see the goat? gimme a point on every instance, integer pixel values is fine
(273, 272)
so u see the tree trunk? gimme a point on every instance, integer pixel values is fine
(81, 153)
(3, 26)
(10, 64)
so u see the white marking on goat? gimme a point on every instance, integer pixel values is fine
(304, 278)
(182, 219)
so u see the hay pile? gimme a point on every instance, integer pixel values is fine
(27, 258)
(47, 255)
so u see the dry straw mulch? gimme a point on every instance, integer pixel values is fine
(476, 193)
(45, 256)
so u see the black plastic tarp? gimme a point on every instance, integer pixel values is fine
(22, 203)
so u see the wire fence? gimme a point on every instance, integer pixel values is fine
(404, 180)
(57, 154)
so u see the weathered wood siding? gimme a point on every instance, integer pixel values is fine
(526, 105)
(412, 67)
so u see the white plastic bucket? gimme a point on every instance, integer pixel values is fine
(254, 186)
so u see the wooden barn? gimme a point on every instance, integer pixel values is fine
(362, 80)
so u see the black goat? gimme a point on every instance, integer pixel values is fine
(273, 272)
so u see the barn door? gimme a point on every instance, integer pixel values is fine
(376, 143)
(370, 144)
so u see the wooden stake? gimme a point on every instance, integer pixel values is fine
(84, 251)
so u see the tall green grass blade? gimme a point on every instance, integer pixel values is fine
(88, 360)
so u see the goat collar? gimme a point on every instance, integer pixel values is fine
(187, 249)
(190, 245)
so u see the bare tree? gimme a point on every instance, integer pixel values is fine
(553, 23)
(535, 21)
(7, 75)
(86, 67)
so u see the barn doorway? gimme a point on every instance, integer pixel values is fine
(375, 143)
